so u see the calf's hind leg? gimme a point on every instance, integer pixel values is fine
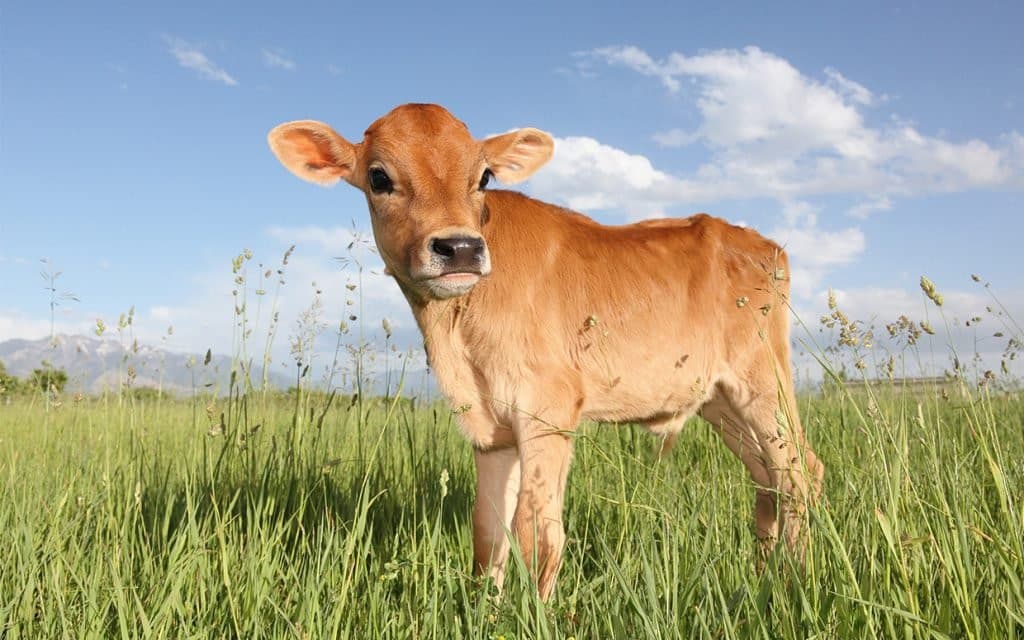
(744, 444)
(765, 405)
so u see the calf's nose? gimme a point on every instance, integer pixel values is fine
(459, 252)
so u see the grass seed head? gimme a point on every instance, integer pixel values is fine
(444, 482)
(929, 290)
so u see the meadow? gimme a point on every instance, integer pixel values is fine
(312, 516)
(251, 513)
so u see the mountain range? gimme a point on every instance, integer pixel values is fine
(95, 365)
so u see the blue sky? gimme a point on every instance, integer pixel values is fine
(878, 141)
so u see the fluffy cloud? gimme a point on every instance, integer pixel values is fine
(585, 174)
(814, 252)
(853, 90)
(865, 208)
(191, 56)
(751, 98)
(775, 132)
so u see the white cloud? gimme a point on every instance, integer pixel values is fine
(751, 98)
(814, 252)
(675, 138)
(865, 208)
(799, 211)
(585, 174)
(853, 90)
(775, 132)
(277, 60)
(755, 99)
(638, 60)
(582, 66)
(191, 57)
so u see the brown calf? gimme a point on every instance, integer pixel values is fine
(535, 317)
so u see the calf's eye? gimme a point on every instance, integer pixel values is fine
(379, 181)
(486, 178)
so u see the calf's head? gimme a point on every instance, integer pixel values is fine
(424, 178)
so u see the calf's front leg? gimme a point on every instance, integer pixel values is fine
(545, 452)
(497, 490)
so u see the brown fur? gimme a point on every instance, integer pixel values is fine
(649, 323)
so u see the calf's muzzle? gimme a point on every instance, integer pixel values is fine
(459, 254)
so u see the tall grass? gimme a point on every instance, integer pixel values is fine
(135, 522)
(314, 514)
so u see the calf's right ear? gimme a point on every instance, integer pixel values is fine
(313, 151)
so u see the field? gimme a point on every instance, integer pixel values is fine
(291, 516)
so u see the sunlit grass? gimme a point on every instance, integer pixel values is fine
(131, 520)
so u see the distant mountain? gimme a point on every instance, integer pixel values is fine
(94, 365)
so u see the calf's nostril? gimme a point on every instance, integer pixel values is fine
(443, 247)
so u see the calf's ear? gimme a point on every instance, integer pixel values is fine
(513, 157)
(313, 151)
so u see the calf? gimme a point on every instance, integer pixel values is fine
(535, 318)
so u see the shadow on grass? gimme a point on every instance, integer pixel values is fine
(298, 494)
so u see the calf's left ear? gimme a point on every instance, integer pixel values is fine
(313, 151)
(513, 157)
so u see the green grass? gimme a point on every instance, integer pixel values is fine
(127, 518)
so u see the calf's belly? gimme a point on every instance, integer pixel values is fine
(651, 395)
